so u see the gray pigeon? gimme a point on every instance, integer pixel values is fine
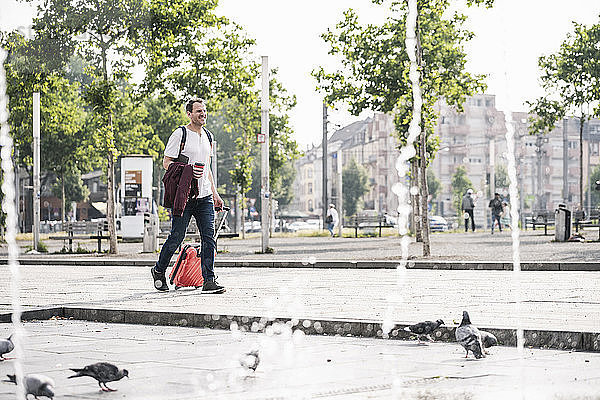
(36, 384)
(6, 346)
(488, 340)
(469, 337)
(250, 360)
(103, 372)
(424, 329)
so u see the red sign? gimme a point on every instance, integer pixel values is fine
(260, 137)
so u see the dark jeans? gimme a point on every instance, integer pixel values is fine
(204, 214)
(470, 212)
(496, 217)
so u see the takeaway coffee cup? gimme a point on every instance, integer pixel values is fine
(198, 170)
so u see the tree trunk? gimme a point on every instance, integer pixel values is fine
(424, 192)
(581, 122)
(62, 201)
(243, 215)
(415, 201)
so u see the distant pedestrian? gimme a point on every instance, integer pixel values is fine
(467, 207)
(496, 207)
(332, 219)
(506, 215)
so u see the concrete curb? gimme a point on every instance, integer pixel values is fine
(562, 340)
(327, 264)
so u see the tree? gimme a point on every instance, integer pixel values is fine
(375, 72)
(102, 33)
(595, 193)
(355, 184)
(460, 184)
(501, 179)
(62, 125)
(70, 188)
(192, 52)
(433, 184)
(571, 81)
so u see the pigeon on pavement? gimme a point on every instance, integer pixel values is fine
(36, 384)
(250, 360)
(6, 346)
(425, 329)
(103, 372)
(488, 340)
(469, 337)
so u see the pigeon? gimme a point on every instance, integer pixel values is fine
(469, 337)
(424, 329)
(250, 360)
(103, 372)
(6, 346)
(488, 340)
(36, 384)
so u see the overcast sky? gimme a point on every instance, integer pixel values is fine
(509, 39)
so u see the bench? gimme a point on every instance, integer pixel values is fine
(543, 218)
(580, 220)
(85, 230)
(366, 222)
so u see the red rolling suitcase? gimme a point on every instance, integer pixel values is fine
(187, 271)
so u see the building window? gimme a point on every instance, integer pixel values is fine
(572, 144)
(309, 205)
(310, 188)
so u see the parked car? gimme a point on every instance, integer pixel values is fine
(437, 223)
(252, 226)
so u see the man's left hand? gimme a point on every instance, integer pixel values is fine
(218, 201)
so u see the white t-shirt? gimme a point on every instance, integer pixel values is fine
(198, 148)
(334, 215)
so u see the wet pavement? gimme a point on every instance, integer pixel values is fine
(190, 363)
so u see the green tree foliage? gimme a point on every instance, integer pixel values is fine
(74, 189)
(571, 82)
(192, 52)
(434, 184)
(62, 126)
(355, 184)
(460, 184)
(501, 179)
(375, 63)
(595, 194)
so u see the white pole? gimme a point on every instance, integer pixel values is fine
(264, 170)
(36, 170)
(340, 198)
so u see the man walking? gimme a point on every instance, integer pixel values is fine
(496, 206)
(467, 207)
(332, 219)
(190, 147)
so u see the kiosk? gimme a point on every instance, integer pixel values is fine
(136, 194)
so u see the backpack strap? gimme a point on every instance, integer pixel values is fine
(209, 135)
(183, 138)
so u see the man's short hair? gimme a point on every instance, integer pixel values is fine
(190, 104)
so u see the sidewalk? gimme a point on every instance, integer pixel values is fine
(478, 246)
(176, 363)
